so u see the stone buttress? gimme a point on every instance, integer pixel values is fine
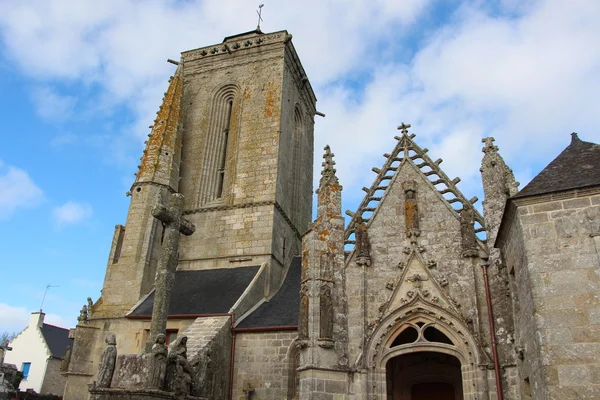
(323, 325)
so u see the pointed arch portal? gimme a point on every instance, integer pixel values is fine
(421, 352)
(424, 375)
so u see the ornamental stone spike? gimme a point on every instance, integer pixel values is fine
(171, 217)
(328, 172)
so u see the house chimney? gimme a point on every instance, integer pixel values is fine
(36, 319)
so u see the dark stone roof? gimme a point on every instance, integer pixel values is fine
(283, 308)
(57, 339)
(210, 291)
(578, 166)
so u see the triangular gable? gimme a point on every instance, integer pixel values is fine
(416, 282)
(407, 151)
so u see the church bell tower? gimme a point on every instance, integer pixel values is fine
(234, 135)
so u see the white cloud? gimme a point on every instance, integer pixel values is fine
(17, 190)
(13, 319)
(525, 72)
(71, 213)
(52, 106)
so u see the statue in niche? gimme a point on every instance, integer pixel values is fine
(179, 372)
(467, 232)
(326, 313)
(363, 245)
(326, 266)
(64, 362)
(107, 362)
(411, 210)
(158, 362)
(303, 328)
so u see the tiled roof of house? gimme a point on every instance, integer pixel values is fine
(210, 291)
(282, 309)
(578, 166)
(57, 339)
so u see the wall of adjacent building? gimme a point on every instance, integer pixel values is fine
(262, 363)
(552, 249)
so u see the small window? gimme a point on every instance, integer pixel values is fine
(25, 370)
(433, 335)
(409, 335)
(171, 336)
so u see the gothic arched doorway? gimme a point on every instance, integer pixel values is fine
(424, 375)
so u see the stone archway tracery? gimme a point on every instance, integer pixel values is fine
(464, 346)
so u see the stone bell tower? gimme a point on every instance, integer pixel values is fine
(234, 135)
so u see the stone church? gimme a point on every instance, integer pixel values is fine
(418, 296)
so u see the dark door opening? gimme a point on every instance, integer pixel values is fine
(424, 376)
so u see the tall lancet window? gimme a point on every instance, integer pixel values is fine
(296, 181)
(215, 173)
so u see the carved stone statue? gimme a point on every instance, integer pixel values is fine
(326, 313)
(363, 245)
(158, 362)
(411, 210)
(467, 232)
(303, 318)
(179, 374)
(64, 362)
(83, 315)
(107, 362)
(90, 303)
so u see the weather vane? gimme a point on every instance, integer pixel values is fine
(259, 12)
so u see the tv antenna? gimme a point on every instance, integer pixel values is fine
(48, 286)
(259, 12)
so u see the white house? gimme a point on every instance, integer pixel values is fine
(37, 352)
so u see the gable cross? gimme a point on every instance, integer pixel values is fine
(259, 12)
(404, 128)
(174, 224)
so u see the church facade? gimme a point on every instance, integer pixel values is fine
(418, 296)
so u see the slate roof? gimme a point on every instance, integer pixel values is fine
(578, 166)
(211, 291)
(57, 339)
(283, 308)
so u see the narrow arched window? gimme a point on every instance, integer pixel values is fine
(297, 160)
(215, 173)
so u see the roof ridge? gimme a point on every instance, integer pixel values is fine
(56, 326)
(574, 167)
(406, 145)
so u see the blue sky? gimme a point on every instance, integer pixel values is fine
(80, 82)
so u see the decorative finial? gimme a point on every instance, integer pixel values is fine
(259, 12)
(404, 128)
(489, 145)
(575, 137)
(328, 173)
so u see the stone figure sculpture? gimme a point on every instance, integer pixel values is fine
(64, 362)
(303, 323)
(83, 315)
(90, 303)
(363, 245)
(179, 373)
(411, 210)
(467, 231)
(158, 362)
(326, 313)
(107, 362)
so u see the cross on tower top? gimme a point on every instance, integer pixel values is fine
(404, 128)
(259, 12)
(489, 144)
